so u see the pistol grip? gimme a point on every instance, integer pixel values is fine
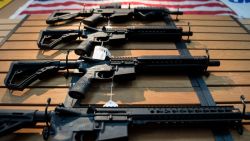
(85, 47)
(81, 87)
(93, 20)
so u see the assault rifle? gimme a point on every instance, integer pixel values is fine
(48, 39)
(114, 13)
(64, 16)
(105, 123)
(21, 74)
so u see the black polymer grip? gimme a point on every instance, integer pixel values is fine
(85, 48)
(80, 88)
(93, 20)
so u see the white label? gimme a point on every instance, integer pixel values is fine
(101, 53)
(110, 103)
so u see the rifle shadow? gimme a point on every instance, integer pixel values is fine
(146, 89)
(61, 50)
(155, 90)
(54, 87)
(58, 51)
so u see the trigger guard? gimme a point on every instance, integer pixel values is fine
(104, 74)
(78, 136)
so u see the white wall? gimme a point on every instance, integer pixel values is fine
(241, 7)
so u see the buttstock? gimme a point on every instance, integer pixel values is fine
(13, 120)
(22, 74)
(60, 16)
(48, 39)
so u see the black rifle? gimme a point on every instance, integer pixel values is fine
(21, 74)
(65, 16)
(48, 39)
(103, 123)
(113, 13)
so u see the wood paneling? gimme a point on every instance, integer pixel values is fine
(7, 27)
(227, 42)
(9, 21)
(4, 33)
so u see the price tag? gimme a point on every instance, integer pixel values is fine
(110, 103)
(101, 53)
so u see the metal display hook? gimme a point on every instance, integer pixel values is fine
(46, 129)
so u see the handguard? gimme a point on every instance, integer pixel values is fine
(48, 39)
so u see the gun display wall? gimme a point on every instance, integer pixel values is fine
(161, 73)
